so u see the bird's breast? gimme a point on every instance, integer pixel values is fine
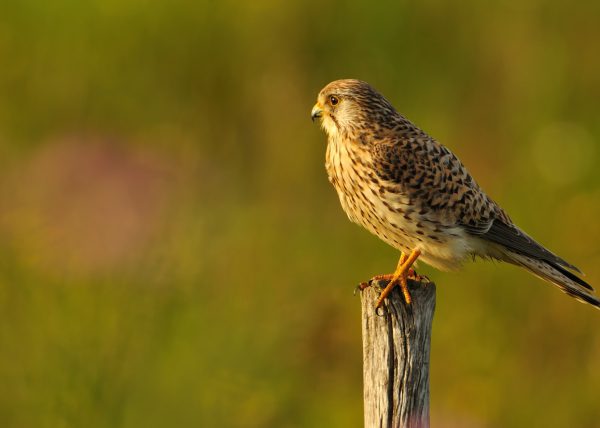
(345, 169)
(377, 206)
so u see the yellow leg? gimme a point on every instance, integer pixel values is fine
(390, 276)
(399, 277)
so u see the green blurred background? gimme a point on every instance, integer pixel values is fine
(172, 254)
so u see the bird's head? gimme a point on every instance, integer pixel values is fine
(349, 105)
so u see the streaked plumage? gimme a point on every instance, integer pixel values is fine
(413, 193)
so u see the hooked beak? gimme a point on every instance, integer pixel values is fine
(316, 112)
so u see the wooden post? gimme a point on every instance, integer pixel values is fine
(396, 345)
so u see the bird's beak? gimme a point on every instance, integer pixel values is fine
(316, 112)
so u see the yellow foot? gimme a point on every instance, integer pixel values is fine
(399, 278)
(412, 274)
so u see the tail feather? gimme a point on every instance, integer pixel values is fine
(557, 275)
(571, 276)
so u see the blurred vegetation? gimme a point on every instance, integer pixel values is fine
(172, 254)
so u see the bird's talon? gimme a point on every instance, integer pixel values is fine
(361, 287)
(412, 274)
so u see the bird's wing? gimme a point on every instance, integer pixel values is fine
(438, 184)
(435, 181)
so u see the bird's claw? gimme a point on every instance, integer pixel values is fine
(412, 274)
(362, 286)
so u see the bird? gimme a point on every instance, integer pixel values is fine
(413, 193)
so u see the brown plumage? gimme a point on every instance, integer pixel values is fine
(413, 193)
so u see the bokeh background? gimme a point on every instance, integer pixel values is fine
(172, 254)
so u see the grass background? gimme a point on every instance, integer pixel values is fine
(171, 253)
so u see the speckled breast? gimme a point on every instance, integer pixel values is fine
(379, 207)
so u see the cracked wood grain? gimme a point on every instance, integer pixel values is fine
(396, 346)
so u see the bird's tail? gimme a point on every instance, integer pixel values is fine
(568, 282)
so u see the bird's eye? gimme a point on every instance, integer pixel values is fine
(334, 100)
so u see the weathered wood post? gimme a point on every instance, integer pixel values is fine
(396, 344)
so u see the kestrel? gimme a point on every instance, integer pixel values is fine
(415, 194)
